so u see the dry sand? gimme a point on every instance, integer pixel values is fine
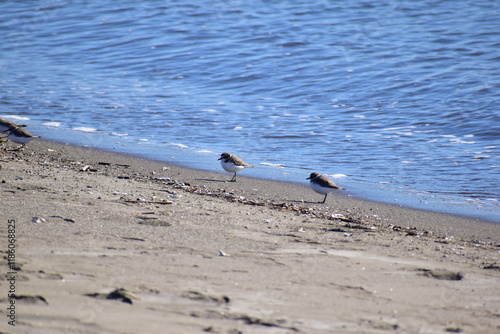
(109, 243)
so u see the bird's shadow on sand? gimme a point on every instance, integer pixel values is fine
(213, 180)
(302, 202)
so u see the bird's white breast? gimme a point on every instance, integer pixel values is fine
(19, 139)
(230, 167)
(321, 190)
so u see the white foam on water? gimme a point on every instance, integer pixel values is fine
(15, 117)
(52, 124)
(336, 176)
(460, 141)
(177, 145)
(273, 165)
(84, 129)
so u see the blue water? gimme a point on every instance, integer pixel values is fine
(397, 100)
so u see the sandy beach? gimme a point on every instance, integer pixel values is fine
(110, 243)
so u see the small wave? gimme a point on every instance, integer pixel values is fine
(53, 124)
(272, 165)
(177, 145)
(336, 176)
(17, 118)
(84, 129)
(119, 134)
(460, 141)
(480, 157)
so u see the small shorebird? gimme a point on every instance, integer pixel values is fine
(322, 185)
(232, 164)
(21, 136)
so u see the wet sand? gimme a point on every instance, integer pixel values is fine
(109, 243)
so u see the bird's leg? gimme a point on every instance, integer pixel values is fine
(234, 178)
(324, 199)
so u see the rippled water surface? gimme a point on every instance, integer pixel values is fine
(399, 100)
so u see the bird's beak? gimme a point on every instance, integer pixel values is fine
(220, 158)
(308, 178)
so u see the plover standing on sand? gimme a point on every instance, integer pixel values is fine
(21, 136)
(322, 184)
(232, 164)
